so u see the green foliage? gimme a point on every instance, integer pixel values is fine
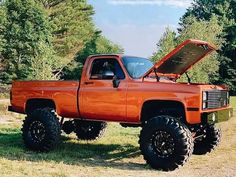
(226, 14)
(74, 35)
(206, 70)
(38, 38)
(26, 34)
(2, 25)
(42, 66)
(2, 29)
(99, 45)
(166, 44)
(72, 25)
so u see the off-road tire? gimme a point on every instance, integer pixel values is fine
(209, 142)
(182, 143)
(41, 130)
(89, 130)
(68, 127)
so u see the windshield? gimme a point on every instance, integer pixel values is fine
(136, 66)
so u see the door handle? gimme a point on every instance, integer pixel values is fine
(88, 83)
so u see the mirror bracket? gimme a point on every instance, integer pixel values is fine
(115, 82)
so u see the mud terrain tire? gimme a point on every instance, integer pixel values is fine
(89, 130)
(165, 143)
(209, 142)
(41, 130)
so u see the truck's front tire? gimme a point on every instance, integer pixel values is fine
(209, 142)
(89, 130)
(165, 143)
(41, 130)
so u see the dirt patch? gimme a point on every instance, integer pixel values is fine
(5, 115)
(7, 101)
(6, 119)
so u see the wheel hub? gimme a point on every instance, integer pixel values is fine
(37, 131)
(87, 129)
(163, 144)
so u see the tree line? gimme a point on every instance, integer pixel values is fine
(50, 39)
(213, 21)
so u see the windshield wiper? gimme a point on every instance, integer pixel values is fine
(189, 79)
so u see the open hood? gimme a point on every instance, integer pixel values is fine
(182, 58)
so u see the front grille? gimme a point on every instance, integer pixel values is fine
(216, 99)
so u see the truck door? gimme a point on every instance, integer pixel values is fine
(100, 100)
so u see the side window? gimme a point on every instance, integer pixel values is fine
(101, 66)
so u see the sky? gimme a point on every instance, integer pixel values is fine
(137, 25)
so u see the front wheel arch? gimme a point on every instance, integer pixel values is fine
(152, 108)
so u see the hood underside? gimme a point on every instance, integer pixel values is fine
(182, 58)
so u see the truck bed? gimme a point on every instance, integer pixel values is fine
(64, 95)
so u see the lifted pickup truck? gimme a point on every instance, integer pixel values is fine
(177, 119)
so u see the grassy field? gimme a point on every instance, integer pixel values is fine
(115, 154)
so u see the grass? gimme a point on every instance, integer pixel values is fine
(115, 154)
(4, 95)
(4, 91)
(70, 153)
(233, 101)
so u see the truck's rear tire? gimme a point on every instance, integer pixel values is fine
(209, 141)
(165, 143)
(89, 130)
(41, 130)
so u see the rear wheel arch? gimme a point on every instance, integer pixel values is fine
(36, 103)
(152, 108)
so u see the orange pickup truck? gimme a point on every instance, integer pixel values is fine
(176, 119)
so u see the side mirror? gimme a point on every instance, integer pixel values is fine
(116, 82)
(108, 75)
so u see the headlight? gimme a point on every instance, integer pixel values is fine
(204, 96)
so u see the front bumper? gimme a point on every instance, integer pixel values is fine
(219, 116)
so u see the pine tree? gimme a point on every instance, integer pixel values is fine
(41, 39)
(99, 45)
(75, 36)
(226, 14)
(26, 34)
(72, 26)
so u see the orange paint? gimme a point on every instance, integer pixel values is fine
(97, 99)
